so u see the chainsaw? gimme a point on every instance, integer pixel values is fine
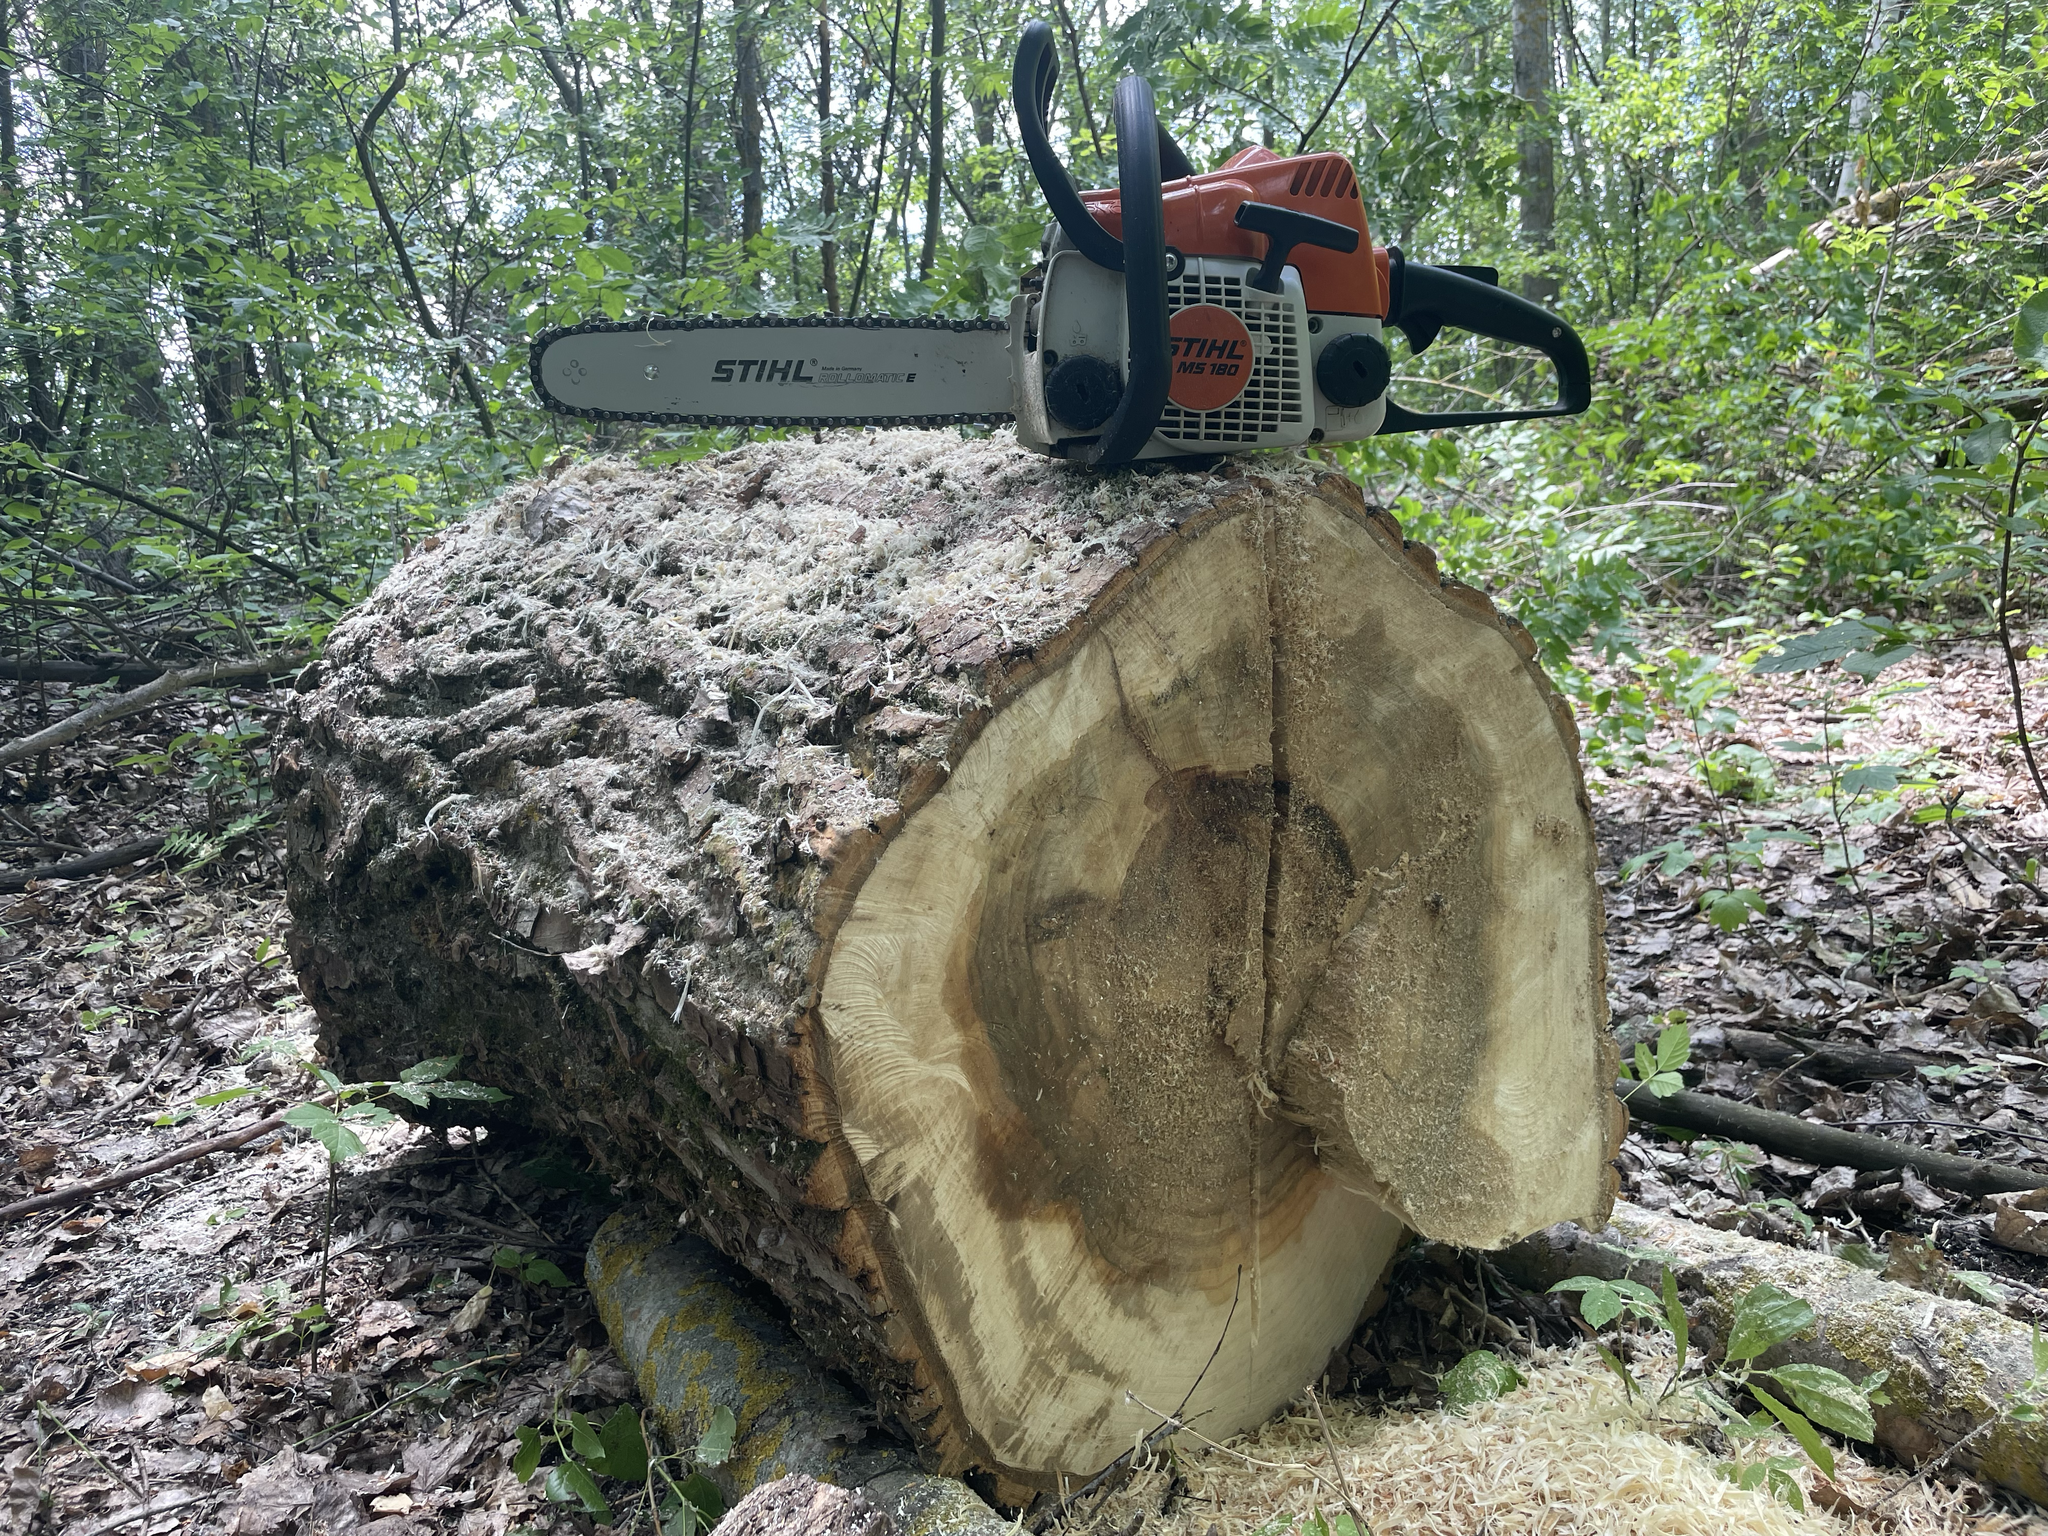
(1179, 314)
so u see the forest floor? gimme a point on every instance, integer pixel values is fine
(163, 1367)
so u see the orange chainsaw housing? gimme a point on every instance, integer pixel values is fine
(1200, 211)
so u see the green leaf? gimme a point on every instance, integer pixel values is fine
(1614, 1364)
(2030, 331)
(1763, 1317)
(1729, 910)
(1988, 441)
(1599, 1302)
(1865, 777)
(1674, 1046)
(1828, 1397)
(430, 1070)
(1867, 664)
(1675, 1320)
(699, 1491)
(570, 1484)
(1808, 1437)
(625, 1448)
(325, 1127)
(1478, 1378)
(530, 1446)
(225, 1096)
(716, 1443)
(583, 1437)
(2040, 1354)
(475, 1092)
(1802, 653)
(546, 1272)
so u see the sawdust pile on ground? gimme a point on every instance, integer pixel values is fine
(1563, 1455)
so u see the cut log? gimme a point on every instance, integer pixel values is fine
(1052, 930)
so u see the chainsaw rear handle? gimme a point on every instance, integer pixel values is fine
(1422, 300)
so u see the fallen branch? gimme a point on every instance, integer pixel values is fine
(1957, 1369)
(1790, 1136)
(1884, 205)
(1822, 1058)
(114, 707)
(71, 1194)
(129, 672)
(75, 869)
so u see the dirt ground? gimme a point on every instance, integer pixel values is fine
(247, 1344)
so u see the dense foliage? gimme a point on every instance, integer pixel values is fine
(271, 265)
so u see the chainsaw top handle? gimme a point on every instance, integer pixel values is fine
(1036, 72)
(1142, 150)
(1422, 300)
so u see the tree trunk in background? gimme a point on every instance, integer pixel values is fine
(828, 188)
(935, 115)
(1049, 928)
(690, 136)
(41, 422)
(747, 124)
(1537, 181)
(1851, 178)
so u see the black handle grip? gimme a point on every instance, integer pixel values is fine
(1149, 373)
(1422, 300)
(1036, 72)
(1032, 79)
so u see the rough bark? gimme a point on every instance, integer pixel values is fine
(1956, 1368)
(1021, 916)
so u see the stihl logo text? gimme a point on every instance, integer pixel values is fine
(760, 370)
(1216, 358)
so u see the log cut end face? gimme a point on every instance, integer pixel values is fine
(1257, 926)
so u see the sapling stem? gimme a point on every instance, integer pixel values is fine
(2012, 666)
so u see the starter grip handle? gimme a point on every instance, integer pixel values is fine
(1422, 300)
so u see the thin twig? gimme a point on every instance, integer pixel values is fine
(157, 509)
(398, 1397)
(1364, 1526)
(1351, 63)
(71, 1194)
(146, 1511)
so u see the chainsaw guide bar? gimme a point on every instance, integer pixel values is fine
(864, 365)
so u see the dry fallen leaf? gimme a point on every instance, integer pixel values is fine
(472, 1312)
(218, 1404)
(380, 1319)
(37, 1161)
(169, 1362)
(391, 1504)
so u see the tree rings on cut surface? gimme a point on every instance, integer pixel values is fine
(1259, 926)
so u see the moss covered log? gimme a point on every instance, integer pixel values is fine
(1956, 1368)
